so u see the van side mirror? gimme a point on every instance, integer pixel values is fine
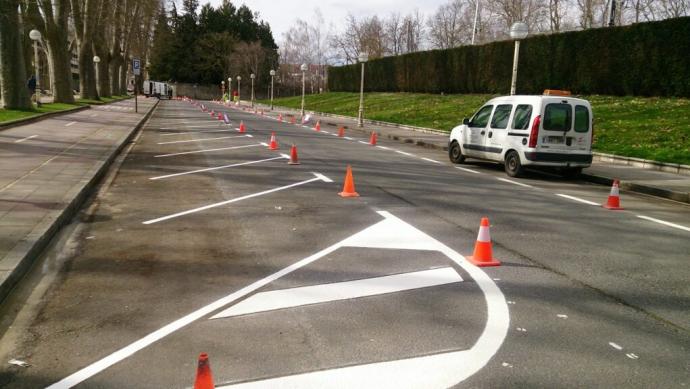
(466, 121)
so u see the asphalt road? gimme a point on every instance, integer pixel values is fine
(203, 240)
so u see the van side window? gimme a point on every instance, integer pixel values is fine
(581, 118)
(523, 113)
(481, 118)
(501, 116)
(558, 117)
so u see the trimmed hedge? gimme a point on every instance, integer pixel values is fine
(646, 59)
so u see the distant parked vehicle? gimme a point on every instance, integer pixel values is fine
(156, 89)
(553, 130)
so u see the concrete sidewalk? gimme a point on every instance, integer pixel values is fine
(49, 168)
(604, 170)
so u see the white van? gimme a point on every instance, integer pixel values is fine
(552, 130)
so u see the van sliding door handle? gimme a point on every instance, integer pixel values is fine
(491, 133)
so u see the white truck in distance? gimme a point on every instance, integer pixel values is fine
(157, 89)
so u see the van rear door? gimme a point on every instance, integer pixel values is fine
(566, 126)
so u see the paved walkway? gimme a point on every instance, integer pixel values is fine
(47, 170)
(642, 180)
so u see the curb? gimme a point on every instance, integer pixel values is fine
(643, 163)
(33, 119)
(24, 254)
(639, 188)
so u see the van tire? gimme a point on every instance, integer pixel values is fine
(513, 165)
(571, 172)
(455, 153)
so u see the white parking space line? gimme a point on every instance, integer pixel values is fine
(70, 123)
(348, 138)
(404, 153)
(514, 182)
(319, 177)
(23, 139)
(674, 225)
(316, 294)
(205, 139)
(464, 169)
(363, 142)
(579, 200)
(209, 150)
(383, 147)
(432, 160)
(196, 132)
(325, 132)
(283, 156)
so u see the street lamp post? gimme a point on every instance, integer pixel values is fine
(252, 76)
(239, 89)
(303, 68)
(363, 58)
(272, 73)
(518, 30)
(476, 16)
(229, 89)
(96, 60)
(35, 36)
(222, 90)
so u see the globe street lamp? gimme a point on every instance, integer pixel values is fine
(303, 68)
(229, 89)
(518, 31)
(272, 73)
(363, 57)
(252, 76)
(222, 90)
(239, 89)
(35, 36)
(96, 60)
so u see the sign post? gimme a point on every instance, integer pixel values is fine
(136, 69)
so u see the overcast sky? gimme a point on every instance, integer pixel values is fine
(282, 14)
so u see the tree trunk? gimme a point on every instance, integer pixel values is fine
(12, 68)
(114, 72)
(58, 48)
(123, 78)
(87, 74)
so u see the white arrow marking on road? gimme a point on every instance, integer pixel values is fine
(315, 294)
(210, 150)
(319, 177)
(282, 156)
(205, 139)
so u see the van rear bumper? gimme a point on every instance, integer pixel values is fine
(535, 156)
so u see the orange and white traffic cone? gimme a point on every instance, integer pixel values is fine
(349, 185)
(483, 255)
(614, 201)
(243, 129)
(293, 156)
(317, 127)
(204, 378)
(280, 117)
(341, 132)
(293, 120)
(220, 116)
(372, 139)
(273, 145)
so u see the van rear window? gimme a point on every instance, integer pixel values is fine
(581, 118)
(558, 117)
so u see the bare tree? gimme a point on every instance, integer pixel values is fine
(412, 32)
(15, 94)
(446, 27)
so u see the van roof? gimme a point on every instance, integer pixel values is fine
(533, 99)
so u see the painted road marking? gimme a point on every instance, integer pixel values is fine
(445, 369)
(431, 160)
(209, 150)
(363, 142)
(616, 346)
(651, 219)
(204, 140)
(27, 138)
(514, 182)
(70, 123)
(325, 132)
(319, 177)
(464, 169)
(404, 153)
(383, 147)
(348, 138)
(579, 200)
(196, 132)
(282, 156)
(316, 294)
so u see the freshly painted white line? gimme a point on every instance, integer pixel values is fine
(404, 153)
(325, 132)
(383, 147)
(616, 346)
(209, 150)
(651, 219)
(23, 139)
(579, 200)
(316, 294)
(439, 370)
(264, 144)
(70, 123)
(464, 169)
(322, 177)
(195, 132)
(204, 140)
(514, 182)
(307, 127)
(348, 138)
(220, 204)
(282, 156)
(363, 142)
(431, 160)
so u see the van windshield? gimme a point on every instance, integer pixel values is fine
(558, 117)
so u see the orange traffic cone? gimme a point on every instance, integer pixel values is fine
(204, 379)
(372, 139)
(212, 113)
(280, 117)
(242, 128)
(317, 127)
(220, 116)
(614, 201)
(349, 185)
(293, 120)
(483, 255)
(341, 132)
(274, 144)
(293, 156)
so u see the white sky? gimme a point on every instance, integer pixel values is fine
(281, 14)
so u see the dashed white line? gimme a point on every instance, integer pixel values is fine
(348, 138)
(404, 153)
(204, 140)
(196, 132)
(514, 182)
(209, 150)
(383, 147)
(23, 139)
(674, 225)
(70, 123)
(325, 132)
(616, 346)
(283, 156)
(464, 169)
(363, 142)
(579, 200)
(432, 160)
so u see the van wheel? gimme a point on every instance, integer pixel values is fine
(513, 166)
(571, 172)
(455, 153)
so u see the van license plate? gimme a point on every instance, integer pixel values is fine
(555, 139)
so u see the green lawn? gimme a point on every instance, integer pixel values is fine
(643, 127)
(11, 115)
